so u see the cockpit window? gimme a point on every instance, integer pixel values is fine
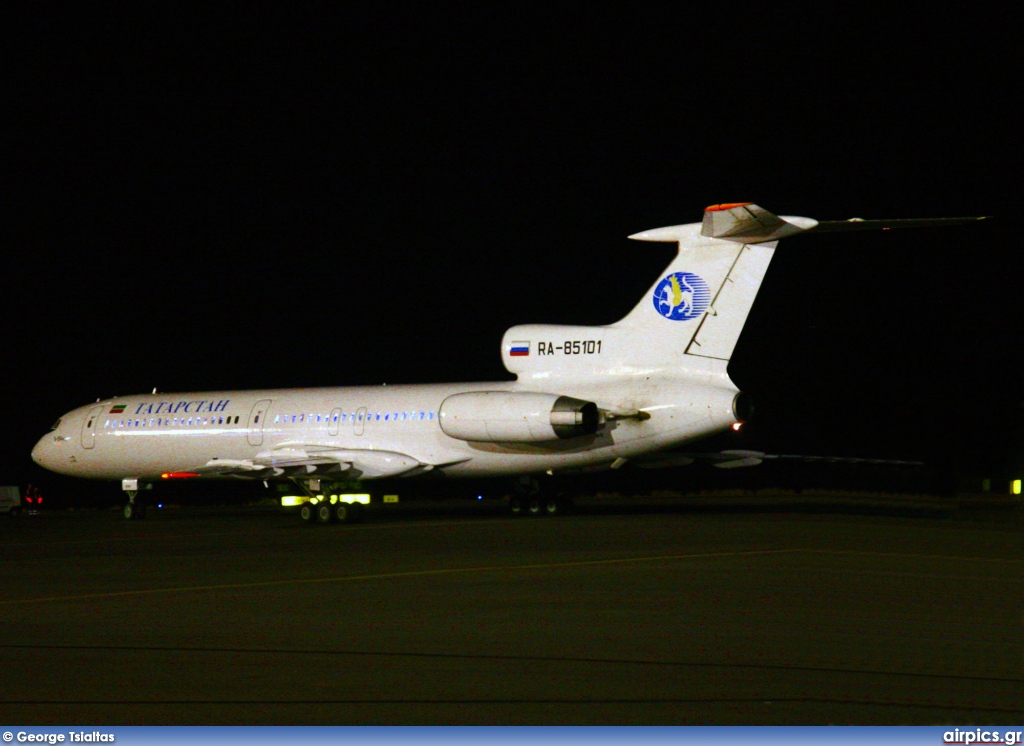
(56, 424)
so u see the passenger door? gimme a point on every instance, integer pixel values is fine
(257, 417)
(89, 427)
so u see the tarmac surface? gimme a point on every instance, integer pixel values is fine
(649, 614)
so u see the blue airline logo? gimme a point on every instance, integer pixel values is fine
(682, 296)
(174, 407)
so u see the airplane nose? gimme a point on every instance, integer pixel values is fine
(40, 453)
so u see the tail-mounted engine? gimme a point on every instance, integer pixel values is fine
(517, 417)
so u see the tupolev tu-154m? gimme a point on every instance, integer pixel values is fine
(584, 398)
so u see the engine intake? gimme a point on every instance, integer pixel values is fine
(517, 417)
(742, 407)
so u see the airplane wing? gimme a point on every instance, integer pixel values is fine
(298, 459)
(735, 459)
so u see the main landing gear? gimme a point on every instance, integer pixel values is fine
(529, 499)
(330, 509)
(331, 505)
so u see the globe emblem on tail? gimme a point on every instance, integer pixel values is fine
(681, 296)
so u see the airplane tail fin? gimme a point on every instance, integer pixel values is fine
(710, 287)
(692, 317)
(700, 303)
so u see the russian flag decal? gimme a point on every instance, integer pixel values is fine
(519, 349)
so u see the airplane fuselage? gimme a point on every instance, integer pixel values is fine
(258, 432)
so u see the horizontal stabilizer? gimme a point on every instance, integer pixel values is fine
(744, 223)
(858, 224)
(748, 223)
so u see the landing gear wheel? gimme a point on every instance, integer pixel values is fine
(515, 506)
(135, 508)
(535, 505)
(554, 506)
(324, 512)
(343, 513)
(306, 513)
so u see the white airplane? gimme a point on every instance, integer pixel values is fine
(584, 398)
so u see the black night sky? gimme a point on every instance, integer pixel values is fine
(352, 197)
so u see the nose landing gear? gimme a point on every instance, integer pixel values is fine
(135, 508)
